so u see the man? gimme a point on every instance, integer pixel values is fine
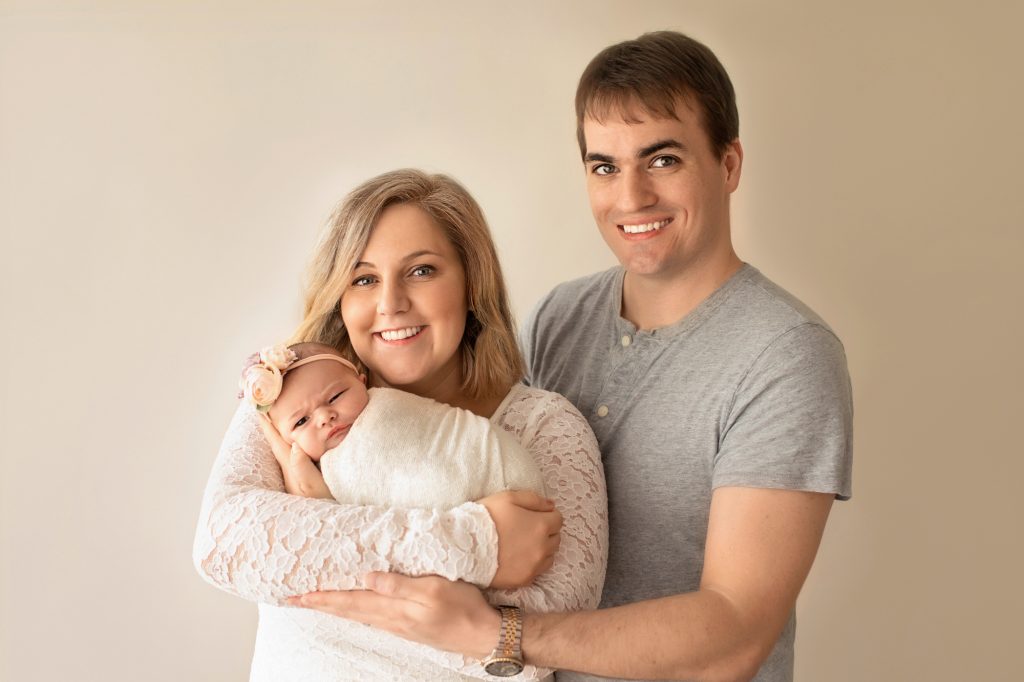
(721, 403)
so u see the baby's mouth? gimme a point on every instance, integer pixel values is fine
(338, 430)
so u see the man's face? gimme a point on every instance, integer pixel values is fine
(658, 192)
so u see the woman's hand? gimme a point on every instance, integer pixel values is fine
(528, 529)
(301, 477)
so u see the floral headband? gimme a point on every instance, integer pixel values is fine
(263, 374)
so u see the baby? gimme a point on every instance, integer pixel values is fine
(379, 446)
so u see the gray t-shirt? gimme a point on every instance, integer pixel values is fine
(749, 389)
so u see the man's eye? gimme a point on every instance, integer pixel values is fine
(301, 422)
(603, 169)
(664, 161)
(335, 396)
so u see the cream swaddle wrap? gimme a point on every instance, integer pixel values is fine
(404, 450)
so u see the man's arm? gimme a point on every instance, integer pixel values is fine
(760, 547)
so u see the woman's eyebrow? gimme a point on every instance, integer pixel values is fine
(411, 256)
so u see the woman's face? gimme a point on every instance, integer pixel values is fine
(405, 306)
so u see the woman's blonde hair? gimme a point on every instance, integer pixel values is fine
(491, 361)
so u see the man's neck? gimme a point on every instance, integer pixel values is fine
(656, 302)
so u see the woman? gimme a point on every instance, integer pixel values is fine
(406, 284)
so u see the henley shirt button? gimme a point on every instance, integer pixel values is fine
(602, 411)
(626, 340)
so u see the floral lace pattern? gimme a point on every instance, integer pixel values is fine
(258, 542)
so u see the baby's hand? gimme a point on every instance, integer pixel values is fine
(304, 476)
(301, 477)
(282, 453)
(298, 458)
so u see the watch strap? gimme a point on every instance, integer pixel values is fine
(507, 658)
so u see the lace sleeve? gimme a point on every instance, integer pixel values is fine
(258, 542)
(562, 442)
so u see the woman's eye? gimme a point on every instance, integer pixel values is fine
(603, 169)
(301, 422)
(335, 396)
(664, 161)
(362, 281)
(422, 270)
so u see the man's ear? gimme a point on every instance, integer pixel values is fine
(732, 162)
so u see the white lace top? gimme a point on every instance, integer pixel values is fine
(258, 542)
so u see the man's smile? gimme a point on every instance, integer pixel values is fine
(634, 230)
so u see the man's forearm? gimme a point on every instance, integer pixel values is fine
(699, 635)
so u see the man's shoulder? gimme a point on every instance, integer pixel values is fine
(762, 305)
(581, 293)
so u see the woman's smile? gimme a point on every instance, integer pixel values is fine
(398, 336)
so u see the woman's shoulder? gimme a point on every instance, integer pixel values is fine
(529, 406)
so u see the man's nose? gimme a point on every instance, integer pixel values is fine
(636, 192)
(393, 299)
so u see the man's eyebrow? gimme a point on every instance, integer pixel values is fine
(643, 153)
(411, 256)
(660, 145)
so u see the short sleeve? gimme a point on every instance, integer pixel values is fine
(790, 425)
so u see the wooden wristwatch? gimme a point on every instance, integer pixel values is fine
(507, 659)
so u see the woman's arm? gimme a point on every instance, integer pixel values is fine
(258, 542)
(563, 444)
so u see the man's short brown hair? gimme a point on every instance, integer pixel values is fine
(655, 72)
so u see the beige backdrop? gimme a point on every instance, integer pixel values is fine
(164, 168)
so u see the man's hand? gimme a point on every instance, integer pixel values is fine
(528, 529)
(431, 610)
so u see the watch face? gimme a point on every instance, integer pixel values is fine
(503, 667)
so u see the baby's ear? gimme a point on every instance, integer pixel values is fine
(362, 378)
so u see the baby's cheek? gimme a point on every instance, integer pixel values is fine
(314, 449)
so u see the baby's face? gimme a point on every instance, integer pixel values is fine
(318, 404)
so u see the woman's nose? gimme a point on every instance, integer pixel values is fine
(393, 299)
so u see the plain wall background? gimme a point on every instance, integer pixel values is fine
(165, 167)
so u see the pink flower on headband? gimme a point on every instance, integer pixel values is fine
(262, 377)
(279, 356)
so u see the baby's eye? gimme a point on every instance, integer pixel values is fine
(301, 422)
(335, 396)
